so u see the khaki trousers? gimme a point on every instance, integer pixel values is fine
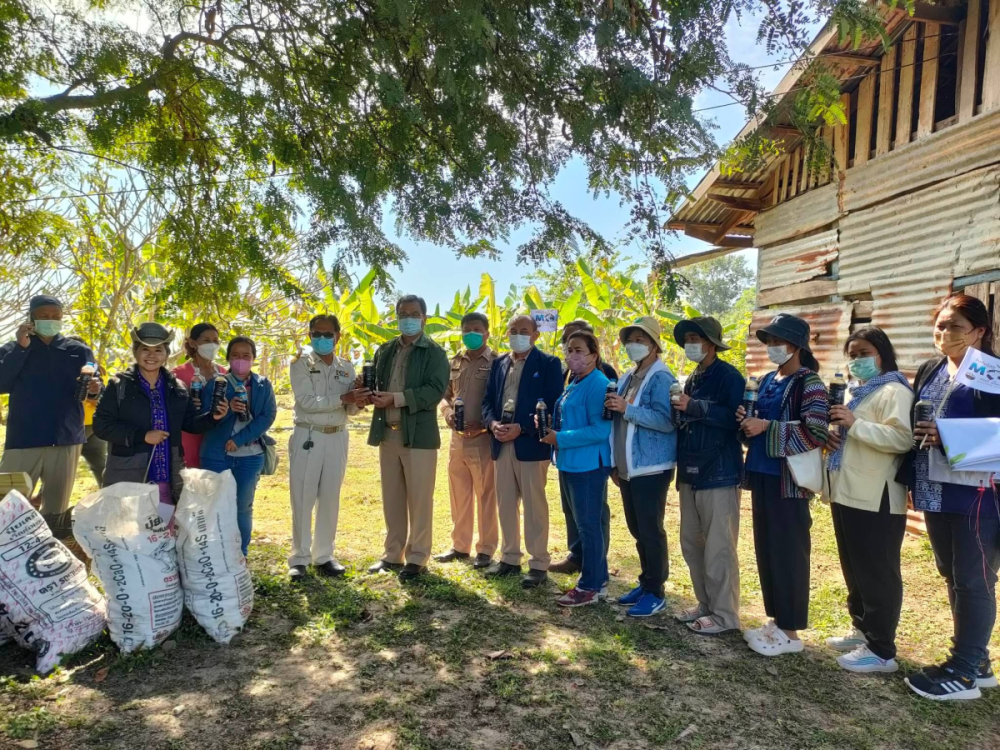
(518, 481)
(54, 465)
(315, 478)
(472, 484)
(710, 530)
(407, 499)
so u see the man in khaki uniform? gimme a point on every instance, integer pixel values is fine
(411, 374)
(470, 467)
(518, 381)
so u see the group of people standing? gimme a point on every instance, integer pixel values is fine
(511, 415)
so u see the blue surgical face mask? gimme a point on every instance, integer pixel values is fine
(863, 368)
(472, 340)
(520, 343)
(322, 346)
(410, 326)
(48, 328)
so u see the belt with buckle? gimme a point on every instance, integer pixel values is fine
(326, 430)
(470, 437)
(397, 426)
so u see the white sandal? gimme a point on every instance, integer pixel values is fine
(708, 626)
(688, 615)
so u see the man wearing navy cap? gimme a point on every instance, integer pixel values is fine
(45, 434)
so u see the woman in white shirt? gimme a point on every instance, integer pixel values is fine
(868, 438)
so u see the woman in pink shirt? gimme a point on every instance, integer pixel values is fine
(201, 347)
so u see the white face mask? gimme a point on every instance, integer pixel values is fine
(208, 351)
(636, 351)
(778, 354)
(694, 352)
(519, 343)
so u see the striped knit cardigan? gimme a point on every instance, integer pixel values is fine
(805, 401)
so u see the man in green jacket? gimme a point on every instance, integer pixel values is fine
(411, 374)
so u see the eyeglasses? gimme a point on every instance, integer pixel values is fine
(323, 335)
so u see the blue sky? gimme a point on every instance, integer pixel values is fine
(435, 273)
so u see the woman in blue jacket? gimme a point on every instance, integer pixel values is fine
(644, 449)
(583, 456)
(236, 444)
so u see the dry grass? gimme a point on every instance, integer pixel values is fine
(458, 662)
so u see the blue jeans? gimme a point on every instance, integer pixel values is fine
(572, 535)
(587, 491)
(246, 471)
(969, 573)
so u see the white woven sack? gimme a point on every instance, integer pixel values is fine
(46, 602)
(218, 589)
(135, 559)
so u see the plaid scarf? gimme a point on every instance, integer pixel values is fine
(857, 396)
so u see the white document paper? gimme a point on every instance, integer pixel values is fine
(972, 445)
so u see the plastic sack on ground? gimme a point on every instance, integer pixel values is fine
(218, 589)
(135, 559)
(46, 602)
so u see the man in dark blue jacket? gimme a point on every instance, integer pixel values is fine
(45, 434)
(521, 463)
(709, 466)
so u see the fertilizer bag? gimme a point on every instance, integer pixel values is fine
(218, 589)
(46, 602)
(136, 561)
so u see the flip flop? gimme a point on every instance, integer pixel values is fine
(708, 626)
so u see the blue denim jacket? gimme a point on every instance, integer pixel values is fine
(582, 440)
(709, 425)
(651, 440)
(263, 410)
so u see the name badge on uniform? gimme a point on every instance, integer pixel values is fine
(314, 372)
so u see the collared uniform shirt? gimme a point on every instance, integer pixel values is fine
(467, 379)
(318, 387)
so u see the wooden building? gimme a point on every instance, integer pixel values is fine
(911, 210)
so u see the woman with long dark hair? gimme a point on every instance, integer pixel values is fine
(792, 419)
(201, 347)
(962, 519)
(867, 503)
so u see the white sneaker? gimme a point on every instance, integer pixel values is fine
(749, 635)
(775, 643)
(847, 643)
(862, 659)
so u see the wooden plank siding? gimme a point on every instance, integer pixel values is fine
(866, 103)
(967, 63)
(794, 177)
(991, 70)
(928, 82)
(842, 137)
(886, 102)
(907, 71)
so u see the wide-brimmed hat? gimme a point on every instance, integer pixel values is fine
(705, 326)
(647, 324)
(151, 334)
(788, 328)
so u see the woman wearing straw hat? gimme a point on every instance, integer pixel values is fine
(643, 454)
(142, 414)
(792, 418)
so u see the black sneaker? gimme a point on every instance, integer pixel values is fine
(534, 579)
(452, 554)
(331, 569)
(482, 561)
(296, 573)
(985, 677)
(943, 684)
(503, 570)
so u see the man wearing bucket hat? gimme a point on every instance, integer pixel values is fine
(643, 456)
(709, 469)
(40, 370)
(142, 414)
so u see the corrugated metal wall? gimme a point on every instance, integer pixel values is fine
(798, 260)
